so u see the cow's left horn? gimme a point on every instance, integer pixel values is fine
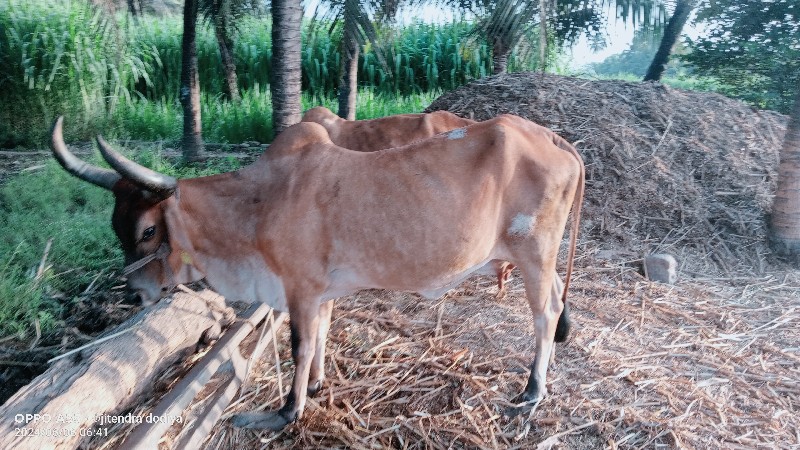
(98, 176)
(140, 175)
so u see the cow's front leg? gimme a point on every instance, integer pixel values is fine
(317, 373)
(304, 324)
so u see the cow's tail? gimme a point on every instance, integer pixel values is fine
(562, 328)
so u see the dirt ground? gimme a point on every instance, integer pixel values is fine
(712, 362)
(702, 364)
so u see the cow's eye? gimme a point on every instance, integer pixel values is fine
(148, 233)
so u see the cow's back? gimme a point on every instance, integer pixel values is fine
(385, 132)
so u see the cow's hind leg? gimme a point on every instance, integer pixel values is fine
(564, 323)
(304, 320)
(546, 309)
(317, 374)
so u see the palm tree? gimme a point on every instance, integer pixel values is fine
(358, 27)
(785, 221)
(671, 34)
(222, 14)
(351, 46)
(193, 148)
(507, 23)
(505, 26)
(134, 8)
(285, 84)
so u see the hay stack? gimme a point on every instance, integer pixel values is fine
(691, 173)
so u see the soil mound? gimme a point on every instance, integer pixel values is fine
(691, 173)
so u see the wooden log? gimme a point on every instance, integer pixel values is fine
(147, 435)
(84, 394)
(195, 433)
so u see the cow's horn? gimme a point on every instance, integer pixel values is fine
(104, 178)
(140, 175)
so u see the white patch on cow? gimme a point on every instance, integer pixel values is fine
(522, 225)
(457, 133)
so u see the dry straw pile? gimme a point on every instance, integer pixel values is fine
(712, 362)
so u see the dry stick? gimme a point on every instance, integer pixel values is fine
(258, 350)
(180, 396)
(277, 356)
(216, 409)
(43, 262)
(90, 344)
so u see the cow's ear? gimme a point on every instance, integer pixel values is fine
(183, 259)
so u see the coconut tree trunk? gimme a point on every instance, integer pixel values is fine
(671, 34)
(785, 226)
(193, 149)
(132, 10)
(500, 53)
(348, 83)
(225, 43)
(542, 35)
(285, 85)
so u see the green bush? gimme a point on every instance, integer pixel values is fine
(41, 206)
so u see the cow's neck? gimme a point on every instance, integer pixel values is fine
(222, 215)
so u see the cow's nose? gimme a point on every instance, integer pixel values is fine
(139, 297)
(133, 297)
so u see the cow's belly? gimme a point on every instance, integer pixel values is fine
(452, 281)
(429, 285)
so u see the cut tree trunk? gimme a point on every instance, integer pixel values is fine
(61, 406)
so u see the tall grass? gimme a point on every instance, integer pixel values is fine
(62, 56)
(248, 120)
(415, 58)
(109, 73)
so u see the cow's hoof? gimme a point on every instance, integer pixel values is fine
(273, 420)
(211, 334)
(521, 406)
(314, 388)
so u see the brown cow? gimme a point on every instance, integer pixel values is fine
(310, 221)
(397, 131)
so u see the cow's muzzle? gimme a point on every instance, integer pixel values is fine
(144, 296)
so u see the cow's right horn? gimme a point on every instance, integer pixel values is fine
(104, 178)
(148, 179)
